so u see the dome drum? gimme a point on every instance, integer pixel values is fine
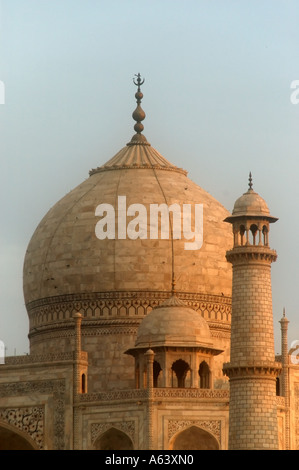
(52, 317)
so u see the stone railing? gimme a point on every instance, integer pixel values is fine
(35, 358)
(158, 393)
(121, 395)
(199, 393)
(27, 359)
(162, 393)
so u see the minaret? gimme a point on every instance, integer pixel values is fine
(285, 390)
(252, 369)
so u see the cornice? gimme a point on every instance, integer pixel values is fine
(250, 370)
(251, 254)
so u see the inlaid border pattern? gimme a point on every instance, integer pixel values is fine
(29, 420)
(56, 388)
(59, 310)
(211, 426)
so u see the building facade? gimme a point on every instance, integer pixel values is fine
(132, 343)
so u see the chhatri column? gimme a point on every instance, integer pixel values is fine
(252, 369)
(150, 355)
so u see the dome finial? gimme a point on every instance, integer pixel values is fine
(250, 181)
(138, 115)
(139, 82)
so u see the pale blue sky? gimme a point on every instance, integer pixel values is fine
(216, 95)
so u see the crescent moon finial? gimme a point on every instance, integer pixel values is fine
(138, 82)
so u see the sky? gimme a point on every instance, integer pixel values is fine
(218, 102)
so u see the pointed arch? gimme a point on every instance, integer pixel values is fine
(156, 372)
(204, 375)
(193, 438)
(180, 369)
(265, 232)
(113, 439)
(242, 232)
(13, 439)
(253, 234)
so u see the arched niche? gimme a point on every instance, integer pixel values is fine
(253, 234)
(113, 439)
(204, 375)
(11, 439)
(193, 438)
(156, 373)
(180, 370)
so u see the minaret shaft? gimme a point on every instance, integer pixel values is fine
(252, 320)
(252, 369)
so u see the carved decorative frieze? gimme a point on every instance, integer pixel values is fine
(185, 393)
(38, 358)
(211, 426)
(49, 333)
(119, 309)
(281, 402)
(28, 420)
(114, 395)
(157, 393)
(55, 388)
(258, 369)
(242, 254)
(128, 427)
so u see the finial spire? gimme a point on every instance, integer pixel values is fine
(138, 115)
(139, 81)
(250, 180)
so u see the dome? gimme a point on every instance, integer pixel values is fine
(251, 204)
(65, 256)
(173, 323)
(67, 268)
(73, 263)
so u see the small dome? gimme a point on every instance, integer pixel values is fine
(250, 203)
(173, 323)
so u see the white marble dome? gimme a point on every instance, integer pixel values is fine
(64, 255)
(114, 282)
(175, 324)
